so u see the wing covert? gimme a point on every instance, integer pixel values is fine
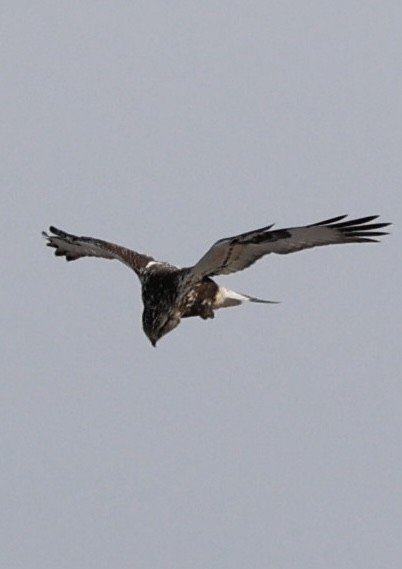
(239, 252)
(72, 247)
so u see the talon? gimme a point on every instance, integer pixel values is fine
(206, 312)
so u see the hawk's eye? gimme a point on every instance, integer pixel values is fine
(166, 326)
(169, 325)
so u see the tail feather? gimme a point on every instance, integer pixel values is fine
(260, 300)
(226, 298)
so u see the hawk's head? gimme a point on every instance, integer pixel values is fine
(157, 323)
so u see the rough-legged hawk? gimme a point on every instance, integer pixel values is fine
(170, 294)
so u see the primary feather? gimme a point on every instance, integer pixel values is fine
(170, 293)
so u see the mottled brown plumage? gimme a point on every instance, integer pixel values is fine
(170, 293)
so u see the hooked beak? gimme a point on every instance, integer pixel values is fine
(153, 340)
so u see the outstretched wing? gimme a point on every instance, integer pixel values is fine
(239, 252)
(72, 247)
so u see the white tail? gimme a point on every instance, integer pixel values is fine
(225, 298)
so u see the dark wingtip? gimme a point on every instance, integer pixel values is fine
(339, 222)
(52, 229)
(330, 220)
(56, 231)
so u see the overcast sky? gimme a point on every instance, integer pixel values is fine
(270, 437)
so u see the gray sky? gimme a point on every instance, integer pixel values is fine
(270, 437)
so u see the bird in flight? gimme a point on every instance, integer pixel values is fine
(170, 293)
